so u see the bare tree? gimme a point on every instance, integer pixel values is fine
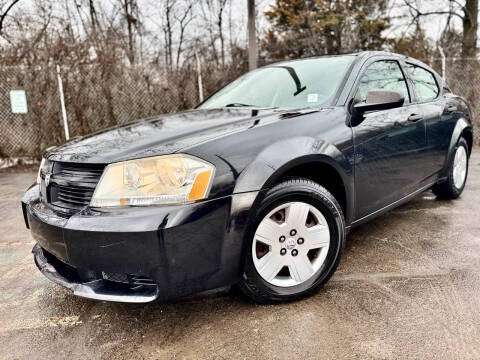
(470, 27)
(183, 22)
(467, 12)
(168, 31)
(221, 7)
(93, 16)
(213, 18)
(207, 11)
(130, 13)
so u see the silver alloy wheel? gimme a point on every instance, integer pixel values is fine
(460, 167)
(290, 244)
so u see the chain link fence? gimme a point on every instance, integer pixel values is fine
(97, 97)
(463, 78)
(28, 134)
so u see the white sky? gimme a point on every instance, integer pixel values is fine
(433, 25)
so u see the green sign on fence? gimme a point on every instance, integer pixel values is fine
(18, 101)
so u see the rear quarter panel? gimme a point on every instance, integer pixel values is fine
(462, 126)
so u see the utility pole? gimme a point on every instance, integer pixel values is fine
(252, 36)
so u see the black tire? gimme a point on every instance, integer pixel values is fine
(447, 189)
(295, 189)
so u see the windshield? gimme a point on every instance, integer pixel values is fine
(301, 83)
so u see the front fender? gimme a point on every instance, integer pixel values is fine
(278, 158)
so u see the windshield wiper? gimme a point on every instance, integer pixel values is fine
(238, 105)
(295, 78)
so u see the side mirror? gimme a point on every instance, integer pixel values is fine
(379, 100)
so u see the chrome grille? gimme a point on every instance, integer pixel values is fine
(71, 185)
(73, 195)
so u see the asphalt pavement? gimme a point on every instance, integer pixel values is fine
(408, 287)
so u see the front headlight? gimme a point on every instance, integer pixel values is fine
(159, 180)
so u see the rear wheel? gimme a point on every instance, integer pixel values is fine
(453, 186)
(295, 244)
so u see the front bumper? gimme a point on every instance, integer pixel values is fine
(174, 250)
(95, 288)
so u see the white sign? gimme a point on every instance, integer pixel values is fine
(18, 101)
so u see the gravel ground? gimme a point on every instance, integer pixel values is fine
(408, 286)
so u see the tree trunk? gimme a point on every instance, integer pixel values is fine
(93, 16)
(470, 26)
(129, 8)
(220, 31)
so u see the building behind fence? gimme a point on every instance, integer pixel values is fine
(97, 97)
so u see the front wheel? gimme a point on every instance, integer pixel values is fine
(295, 244)
(453, 186)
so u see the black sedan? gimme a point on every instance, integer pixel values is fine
(256, 187)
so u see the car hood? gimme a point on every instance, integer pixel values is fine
(160, 135)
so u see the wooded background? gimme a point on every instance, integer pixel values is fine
(121, 60)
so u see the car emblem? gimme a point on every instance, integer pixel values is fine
(290, 243)
(47, 179)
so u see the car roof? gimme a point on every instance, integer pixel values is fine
(365, 55)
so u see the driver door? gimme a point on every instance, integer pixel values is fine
(389, 144)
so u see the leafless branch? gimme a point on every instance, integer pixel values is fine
(4, 14)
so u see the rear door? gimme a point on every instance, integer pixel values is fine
(440, 111)
(389, 144)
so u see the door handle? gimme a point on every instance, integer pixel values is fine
(452, 108)
(415, 117)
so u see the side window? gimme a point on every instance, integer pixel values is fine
(424, 82)
(385, 74)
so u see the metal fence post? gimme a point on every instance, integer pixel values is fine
(62, 102)
(199, 74)
(442, 54)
